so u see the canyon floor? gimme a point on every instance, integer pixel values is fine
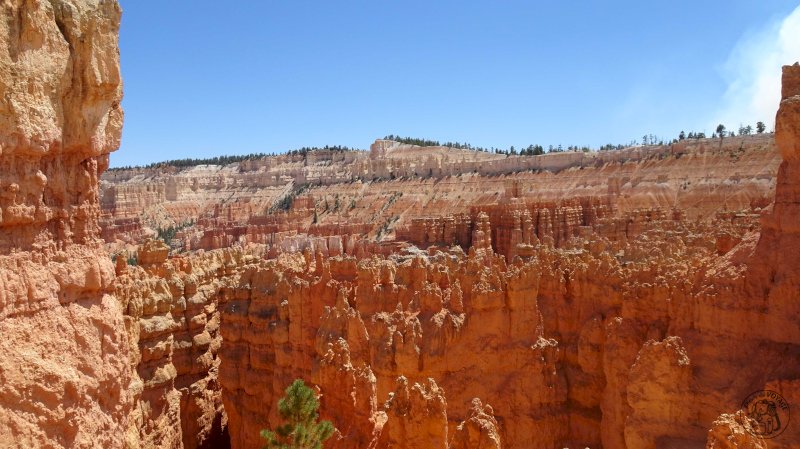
(436, 298)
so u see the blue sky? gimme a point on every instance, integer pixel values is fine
(207, 78)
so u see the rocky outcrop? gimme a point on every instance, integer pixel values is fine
(771, 279)
(417, 416)
(64, 376)
(61, 118)
(172, 320)
(658, 388)
(479, 430)
(620, 299)
(244, 203)
(734, 432)
(583, 321)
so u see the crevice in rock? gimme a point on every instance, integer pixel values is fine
(219, 438)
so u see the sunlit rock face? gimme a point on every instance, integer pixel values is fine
(64, 367)
(436, 298)
(611, 316)
(60, 117)
(433, 195)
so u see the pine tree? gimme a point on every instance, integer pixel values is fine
(299, 411)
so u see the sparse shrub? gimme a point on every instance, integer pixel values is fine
(286, 201)
(168, 234)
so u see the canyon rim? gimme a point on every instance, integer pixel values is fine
(435, 297)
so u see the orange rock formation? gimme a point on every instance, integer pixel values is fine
(698, 179)
(583, 322)
(436, 298)
(64, 376)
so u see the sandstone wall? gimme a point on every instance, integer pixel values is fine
(685, 174)
(172, 320)
(64, 378)
(218, 207)
(371, 332)
(572, 312)
(627, 299)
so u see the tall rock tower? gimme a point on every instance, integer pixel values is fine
(64, 353)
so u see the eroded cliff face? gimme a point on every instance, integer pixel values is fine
(570, 347)
(518, 322)
(619, 300)
(64, 377)
(327, 201)
(172, 320)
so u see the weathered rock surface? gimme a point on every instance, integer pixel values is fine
(218, 207)
(64, 376)
(172, 321)
(584, 321)
(626, 299)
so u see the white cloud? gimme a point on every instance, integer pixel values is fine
(753, 71)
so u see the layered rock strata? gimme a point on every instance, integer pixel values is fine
(583, 326)
(595, 300)
(64, 376)
(172, 320)
(698, 180)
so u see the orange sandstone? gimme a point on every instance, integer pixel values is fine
(437, 298)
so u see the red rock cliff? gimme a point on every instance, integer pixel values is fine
(64, 377)
(646, 336)
(627, 300)
(585, 321)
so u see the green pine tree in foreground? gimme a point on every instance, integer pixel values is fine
(299, 411)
